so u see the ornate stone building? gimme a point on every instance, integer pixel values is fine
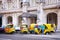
(29, 11)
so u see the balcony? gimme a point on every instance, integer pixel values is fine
(47, 4)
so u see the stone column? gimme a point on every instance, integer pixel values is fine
(40, 14)
(4, 20)
(15, 20)
(58, 21)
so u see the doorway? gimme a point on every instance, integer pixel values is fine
(52, 18)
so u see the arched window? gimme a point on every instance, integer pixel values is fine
(52, 18)
(9, 19)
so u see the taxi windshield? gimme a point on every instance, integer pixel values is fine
(10, 26)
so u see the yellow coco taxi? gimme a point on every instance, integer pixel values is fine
(49, 28)
(37, 29)
(31, 28)
(9, 28)
(24, 29)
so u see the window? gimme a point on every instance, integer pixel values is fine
(45, 26)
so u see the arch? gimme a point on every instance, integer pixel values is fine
(33, 19)
(9, 19)
(52, 18)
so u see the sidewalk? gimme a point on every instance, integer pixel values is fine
(48, 36)
(52, 35)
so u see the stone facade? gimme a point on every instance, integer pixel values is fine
(15, 8)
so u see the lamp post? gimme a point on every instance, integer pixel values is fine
(40, 12)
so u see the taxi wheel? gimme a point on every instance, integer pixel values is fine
(52, 32)
(25, 32)
(12, 32)
(47, 33)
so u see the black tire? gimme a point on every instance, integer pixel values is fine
(47, 33)
(25, 32)
(52, 32)
(12, 32)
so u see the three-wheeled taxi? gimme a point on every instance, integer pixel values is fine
(24, 29)
(37, 29)
(31, 28)
(9, 28)
(49, 28)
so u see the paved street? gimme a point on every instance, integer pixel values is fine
(17, 36)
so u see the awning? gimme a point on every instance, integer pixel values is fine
(28, 15)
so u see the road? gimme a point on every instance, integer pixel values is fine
(17, 36)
